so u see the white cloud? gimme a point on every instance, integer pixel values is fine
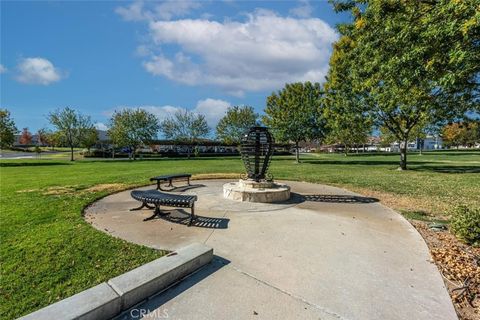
(100, 126)
(262, 53)
(212, 109)
(133, 12)
(304, 10)
(2, 69)
(165, 10)
(37, 71)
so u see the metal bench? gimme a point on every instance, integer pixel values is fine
(157, 198)
(170, 178)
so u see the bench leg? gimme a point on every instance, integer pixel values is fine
(188, 181)
(156, 212)
(144, 204)
(192, 216)
(158, 185)
(168, 185)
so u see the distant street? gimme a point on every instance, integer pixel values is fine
(27, 155)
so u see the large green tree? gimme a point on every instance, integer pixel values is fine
(185, 126)
(347, 118)
(71, 126)
(132, 128)
(414, 61)
(7, 129)
(235, 123)
(89, 139)
(295, 114)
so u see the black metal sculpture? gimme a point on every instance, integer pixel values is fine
(256, 150)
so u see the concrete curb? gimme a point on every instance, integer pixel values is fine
(108, 299)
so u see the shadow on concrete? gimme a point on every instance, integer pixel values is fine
(152, 307)
(335, 198)
(330, 198)
(180, 216)
(186, 188)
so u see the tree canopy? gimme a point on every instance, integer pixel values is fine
(235, 123)
(89, 138)
(71, 126)
(461, 134)
(7, 129)
(412, 62)
(295, 113)
(185, 126)
(133, 128)
(347, 118)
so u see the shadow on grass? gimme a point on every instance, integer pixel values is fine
(448, 169)
(153, 305)
(362, 162)
(33, 164)
(193, 159)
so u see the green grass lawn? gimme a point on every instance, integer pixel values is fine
(48, 252)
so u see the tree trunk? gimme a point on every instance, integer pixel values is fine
(71, 153)
(345, 150)
(297, 153)
(403, 155)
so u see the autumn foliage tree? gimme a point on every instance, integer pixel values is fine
(25, 137)
(461, 134)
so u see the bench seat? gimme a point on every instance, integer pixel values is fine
(157, 198)
(170, 178)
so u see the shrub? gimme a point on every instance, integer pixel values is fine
(465, 224)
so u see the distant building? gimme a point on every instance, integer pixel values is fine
(429, 143)
(374, 143)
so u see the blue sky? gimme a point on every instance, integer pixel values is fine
(205, 56)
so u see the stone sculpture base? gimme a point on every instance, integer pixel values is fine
(252, 191)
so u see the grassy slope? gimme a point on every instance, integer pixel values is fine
(48, 252)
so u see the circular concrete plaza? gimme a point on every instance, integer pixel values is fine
(327, 253)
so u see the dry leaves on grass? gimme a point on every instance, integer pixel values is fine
(207, 176)
(77, 189)
(406, 203)
(57, 190)
(459, 265)
(107, 187)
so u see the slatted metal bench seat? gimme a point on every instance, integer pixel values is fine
(170, 178)
(154, 199)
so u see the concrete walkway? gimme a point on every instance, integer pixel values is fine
(327, 254)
